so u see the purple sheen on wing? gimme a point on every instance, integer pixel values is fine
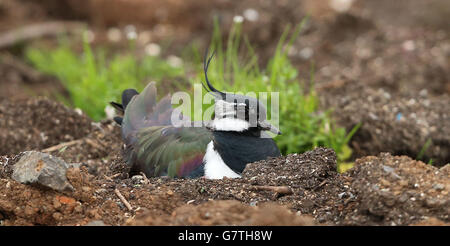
(190, 165)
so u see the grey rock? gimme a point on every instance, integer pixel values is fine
(388, 169)
(44, 169)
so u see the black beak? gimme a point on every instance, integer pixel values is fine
(265, 125)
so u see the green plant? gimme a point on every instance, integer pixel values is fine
(424, 148)
(92, 81)
(304, 127)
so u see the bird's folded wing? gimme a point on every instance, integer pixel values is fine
(168, 150)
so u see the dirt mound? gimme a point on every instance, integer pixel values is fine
(153, 198)
(396, 190)
(226, 213)
(313, 178)
(381, 190)
(413, 126)
(38, 124)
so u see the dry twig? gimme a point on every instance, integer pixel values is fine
(62, 145)
(285, 190)
(122, 198)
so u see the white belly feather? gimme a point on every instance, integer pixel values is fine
(215, 167)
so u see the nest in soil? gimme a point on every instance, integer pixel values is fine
(298, 189)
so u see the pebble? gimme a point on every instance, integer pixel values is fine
(438, 186)
(96, 223)
(86, 188)
(137, 179)
(384, 182)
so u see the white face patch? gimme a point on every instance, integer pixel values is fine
(229, 124)
(225, 117)
(215, 168)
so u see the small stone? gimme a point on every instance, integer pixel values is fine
(403, 183)
(432, 203)
(101, 190)
(388, 169)
(384, 182)
(78, 208)
(29, 211)
(137, 179)
(66, 200)
(86, 188)
(44, 169)
(438, 186)
(93, 213)
(57, 216)
(56, 203)
(96, 223)
(403, 198)
(390, 202)
(254, 203)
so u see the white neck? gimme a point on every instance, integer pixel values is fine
(215, 167)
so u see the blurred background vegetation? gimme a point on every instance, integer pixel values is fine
(92, 82)
(346, 70)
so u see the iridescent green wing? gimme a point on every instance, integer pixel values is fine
(168, 150)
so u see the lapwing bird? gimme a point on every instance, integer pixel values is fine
(221, 148)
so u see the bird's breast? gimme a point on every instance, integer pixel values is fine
(215, 167)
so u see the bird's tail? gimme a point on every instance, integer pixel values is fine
(126, 98)
(141, 110)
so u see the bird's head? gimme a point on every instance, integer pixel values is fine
(235, 112)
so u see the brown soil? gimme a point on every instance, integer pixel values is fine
(37, 124)
(382, 190)
(395, 190)
(226, 213)
(399, 125)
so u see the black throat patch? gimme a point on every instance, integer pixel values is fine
(238, 149)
